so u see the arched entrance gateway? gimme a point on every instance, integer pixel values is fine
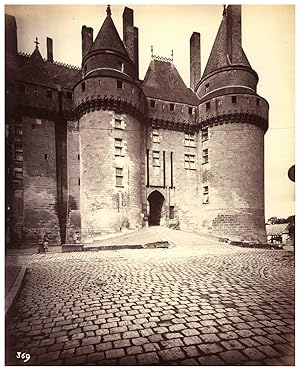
(156, 200)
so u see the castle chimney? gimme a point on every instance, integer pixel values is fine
(49, 49)
(87, 39)
(131, 38)
(234, 33)
(195, 60)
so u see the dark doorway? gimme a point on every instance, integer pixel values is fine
(156, 200)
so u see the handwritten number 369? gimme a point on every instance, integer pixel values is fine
(24, 356)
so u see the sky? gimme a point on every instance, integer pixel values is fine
(268, 39)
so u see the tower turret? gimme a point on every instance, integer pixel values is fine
(233, 119)
(109, 104)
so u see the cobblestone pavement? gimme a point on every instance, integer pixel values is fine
(199, 303)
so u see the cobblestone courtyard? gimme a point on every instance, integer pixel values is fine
(196, 303)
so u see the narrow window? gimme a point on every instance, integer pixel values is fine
(181, 109)
(118, 147)
(204, 134)
(33, 126)
(78, 157)
(207, 105)
(219, 102)
(172, 106)
(132, 90)
(190, 162)
(189, 140)
(119, 177)
(119, 84)
(35, 91)
(163, 106)
(206, 88)
(49, 94)
(152, 103)
(120, 66)
(155, 158)
(46, 156)
(69, 95)
(155, 136)
(83, 86)
(190, 110)
(78, 181)
(233, 99)
(171, 212)
(205, 156)
(118, 124)
(257, 101)
(205, 194)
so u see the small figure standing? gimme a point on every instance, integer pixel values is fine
(45, 243)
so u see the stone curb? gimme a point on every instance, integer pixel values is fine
(14, 291)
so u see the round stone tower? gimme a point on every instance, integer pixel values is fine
(233, 120)
(109, 104)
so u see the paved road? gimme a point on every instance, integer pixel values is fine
(199, 303)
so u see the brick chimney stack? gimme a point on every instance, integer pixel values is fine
(49, 49)
(195, 60)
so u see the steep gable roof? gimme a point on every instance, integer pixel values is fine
(162, 81)
(108, 38)
(34, 69)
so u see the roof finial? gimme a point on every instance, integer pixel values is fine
(224, 9)
(36, 43)
(152, 52)
(108, 10)
(172, 55)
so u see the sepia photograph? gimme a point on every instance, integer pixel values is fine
(149, 184)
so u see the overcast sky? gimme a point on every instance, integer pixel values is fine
(268, 41)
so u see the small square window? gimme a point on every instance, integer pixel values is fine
(152, 103)
(190, 162)
(38, 121)
(155, 158)
(155, 136)
(83, 86)
(18, 130)
(19, 156)
(233, 99)
(189, 140)
(204, 134)
(206, 88)
(49, 94)
(205, 156)
(207, 105)
(119, 84)
(205, 195)
(172, 106)
(119, 177)
(18, 173)
(118, 124)
(118, 147)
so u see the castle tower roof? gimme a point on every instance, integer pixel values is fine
(162, 81)
(227, 49)
(108, 37)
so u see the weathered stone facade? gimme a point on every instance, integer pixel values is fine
(101, 147)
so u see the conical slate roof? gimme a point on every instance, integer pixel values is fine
(219, 55)
(162, 81)
(108, 38)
